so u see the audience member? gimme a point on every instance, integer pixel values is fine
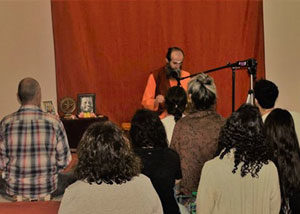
(266, 93)
(195, 136)
(33, 149)
(109, 179)
(176, 100)
(280, 131)
(242, 178)
(162, 79)
(160, 164)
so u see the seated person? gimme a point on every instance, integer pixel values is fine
(160, 164)
(109, 179)
(266, 93)
(280, 130)
(242, 178)
(175, 104)
(195, 136)
(33, 150)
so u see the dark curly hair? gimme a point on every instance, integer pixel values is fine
(147, 130)
(266, 93)
(280, 131)
(104, 155)
(243, 132)
(175, 101)
(203, 92)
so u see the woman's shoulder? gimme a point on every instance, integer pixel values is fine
(213, 162)
(141, 180)
(268, 168)
(217, 117)
(270, 164)
(78, 186)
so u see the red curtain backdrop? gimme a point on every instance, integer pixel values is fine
(110, 47)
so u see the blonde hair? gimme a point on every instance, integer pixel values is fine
(203, 91)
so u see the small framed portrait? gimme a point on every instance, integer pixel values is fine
(86, 103)
(49, 107)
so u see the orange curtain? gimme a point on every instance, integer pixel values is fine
(110, 47)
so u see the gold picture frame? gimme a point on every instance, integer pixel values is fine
(49, 107)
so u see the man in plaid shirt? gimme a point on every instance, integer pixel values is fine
(33, 148)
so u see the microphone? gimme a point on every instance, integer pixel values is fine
(246, 63)
(174, 75)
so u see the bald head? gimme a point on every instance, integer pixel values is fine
(29, 91)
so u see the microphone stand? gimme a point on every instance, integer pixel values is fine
(252, 72)
(234, 67)
(178, 80)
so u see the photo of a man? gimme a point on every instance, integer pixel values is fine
(86, 104)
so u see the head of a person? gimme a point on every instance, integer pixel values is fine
(266, 93)
(105, 155)
(175, 101)
(86, 104)
(280, 132)
(29, 92)
(202, 91)
(147, 130)
(243, 134)
(174, 60)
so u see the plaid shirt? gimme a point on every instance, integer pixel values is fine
(33, 149)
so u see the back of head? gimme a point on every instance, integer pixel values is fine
(244, 134)
(266, 93)
(170, 50)
(147, 130)
(203, 92)
(29, 91)
(280, 131)
(175, 101)
(104, 155)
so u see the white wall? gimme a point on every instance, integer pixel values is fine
(26, 49)
(282, 49)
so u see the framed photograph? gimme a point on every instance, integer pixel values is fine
(49, 107)
(86, 103)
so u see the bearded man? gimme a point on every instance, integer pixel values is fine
(162, 79)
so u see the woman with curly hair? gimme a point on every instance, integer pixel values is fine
(109, 179)
(242, 178)
(280, 131)
(160, 163)
(175, 103)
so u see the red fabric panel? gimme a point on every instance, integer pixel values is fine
(45, 207)
(109, 47)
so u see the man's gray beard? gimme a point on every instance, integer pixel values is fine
(170, 70)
